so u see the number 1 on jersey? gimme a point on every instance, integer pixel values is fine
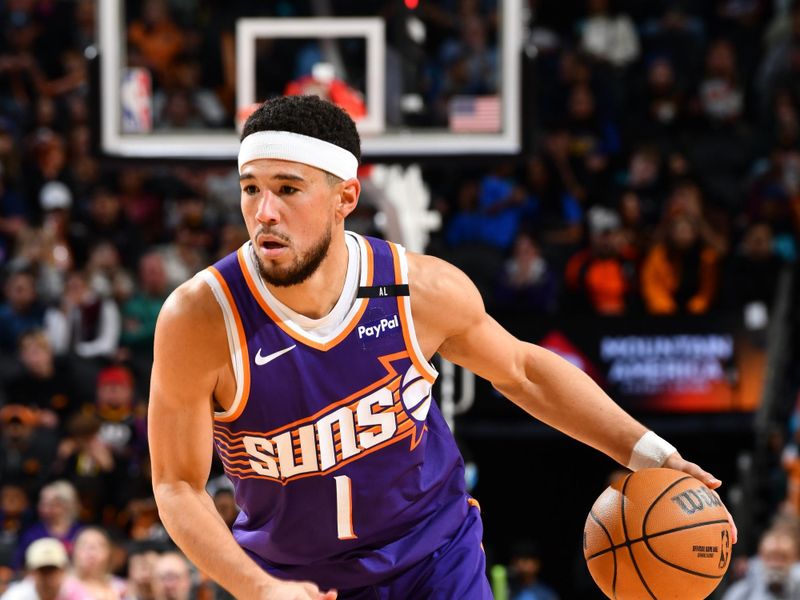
(344, 508)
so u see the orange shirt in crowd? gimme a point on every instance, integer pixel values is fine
(601, 279)
(661, 279)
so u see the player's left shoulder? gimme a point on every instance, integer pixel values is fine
(442, 296)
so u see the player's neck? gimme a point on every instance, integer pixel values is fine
(317, 295)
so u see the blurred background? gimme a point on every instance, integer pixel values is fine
(621, 179)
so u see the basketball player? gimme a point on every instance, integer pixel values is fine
(304, 358)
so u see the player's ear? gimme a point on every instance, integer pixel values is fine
(348, 197)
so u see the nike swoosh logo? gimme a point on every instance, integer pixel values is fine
(262, 360)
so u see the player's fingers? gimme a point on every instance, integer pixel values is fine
(676, 462)
(329, 595)
(734, 531)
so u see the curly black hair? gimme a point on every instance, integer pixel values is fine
(306, 115)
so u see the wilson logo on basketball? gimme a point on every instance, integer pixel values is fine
(692, 501)
(348, 430)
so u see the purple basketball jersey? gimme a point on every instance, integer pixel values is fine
(345, 470)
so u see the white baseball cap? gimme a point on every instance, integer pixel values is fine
(46, 552)
(54, 195)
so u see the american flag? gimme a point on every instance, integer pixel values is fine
(475, 114)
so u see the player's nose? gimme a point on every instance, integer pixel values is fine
(268, 208)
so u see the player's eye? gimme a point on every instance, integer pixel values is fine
(287, 190)
(250, 190)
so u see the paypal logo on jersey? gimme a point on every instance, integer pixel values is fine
(376, 328)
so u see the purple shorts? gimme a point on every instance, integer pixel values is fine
(456, 570)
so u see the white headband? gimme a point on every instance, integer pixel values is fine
(298, 148)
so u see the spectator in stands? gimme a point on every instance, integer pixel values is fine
(178, 111)
(779, 67)
(503, 204)
(470, 62)
(141, 205)
(225, 503)
(48, 162)
(187, 81)
(646, 177)
(140, 312)
(525, 566)
(185, 254)
(464, 234)
(678, 33)
(156, 39)
(782, 124)
(107, 222)
(755, 268)
(58, 509)
(721, 145)
(774, 197)
(91, 557)
(47, 563)
(774, 573)
(680, 274)
(20, 73)
(720, 93)
(142, 559)
(6, 578)
(21, 310)
(603, 276)
(121, 429)
(55, 200)
(659, 111)
(44, 383)
(555, 212)
(27, 450)
(686, 199)
(15, 516)
(100, 476)
(790, 463)
(13, 215)
(608, 35)
(232, 235)
(173, 580)
(594, 141)
(526, 282)
(464, 221)
(84, 323)
(635, 231)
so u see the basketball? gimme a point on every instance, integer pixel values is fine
(657, 533)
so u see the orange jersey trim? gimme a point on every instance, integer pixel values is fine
(242, 346)
(296, 334)
(423, 369)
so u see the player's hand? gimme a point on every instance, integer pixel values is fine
(677, 462)
(295, 590)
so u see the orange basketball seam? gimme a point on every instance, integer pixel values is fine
(684, 569)
(627, 541)
(647, 542)
(614, 556)
(645, 538)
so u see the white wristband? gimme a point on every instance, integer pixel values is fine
(650, 451)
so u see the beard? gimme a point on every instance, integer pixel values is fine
(300, 269)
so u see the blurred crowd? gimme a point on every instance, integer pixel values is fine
(663, 177)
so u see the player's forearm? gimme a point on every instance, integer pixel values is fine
(196, 527)
(561, 395)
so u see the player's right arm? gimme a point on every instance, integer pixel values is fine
(190, 365)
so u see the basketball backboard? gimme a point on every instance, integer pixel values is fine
(420, 82)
